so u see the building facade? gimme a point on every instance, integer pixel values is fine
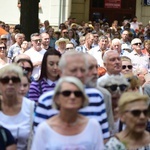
(57, 11)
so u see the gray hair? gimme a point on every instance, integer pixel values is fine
(105, 56)
(18, 35)
(114, 79)
(72, 80)
(116, 40)
(11, 68)
(34, 34)
(103, 37)
(63, 59)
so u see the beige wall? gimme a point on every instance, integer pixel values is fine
(80, 10)
(142, 12)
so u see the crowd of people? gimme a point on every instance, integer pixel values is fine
(84, 86)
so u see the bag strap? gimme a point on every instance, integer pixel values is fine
(3, 135)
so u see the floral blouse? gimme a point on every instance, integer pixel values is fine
(115, 144)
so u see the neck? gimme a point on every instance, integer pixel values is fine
(88, 46)
(67, 118)
(44, 46)
(133, 135)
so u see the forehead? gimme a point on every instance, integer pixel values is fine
(75, 61)
(35, 37)
(112, 54)
(140, 104)
(125, 32)
(2, 44)
(67, 86)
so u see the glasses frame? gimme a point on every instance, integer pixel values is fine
(5, 80)
(67, 93)
(127, 66)
(137, 112)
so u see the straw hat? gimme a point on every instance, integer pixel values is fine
(61, 40)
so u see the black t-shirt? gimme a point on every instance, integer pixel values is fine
(6, 138)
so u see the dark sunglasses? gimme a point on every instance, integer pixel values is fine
(128, 66)
(137, 113)
(69, 48)
(68, 93)
(28, 69)
(114, 87)
(138, 44)
(6, 80)
(2, 47)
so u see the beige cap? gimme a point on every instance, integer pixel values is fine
(3, 36)
(136, 40)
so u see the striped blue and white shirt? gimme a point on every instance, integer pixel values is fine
(96, 109)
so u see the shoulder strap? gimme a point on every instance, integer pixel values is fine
(3, 135)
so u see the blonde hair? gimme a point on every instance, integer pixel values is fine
(129, 97)
(11, 68)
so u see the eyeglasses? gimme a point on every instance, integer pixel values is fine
(28, 69)
(1, 48)
(6, 80)
(128, 66)
(137, 113)
(38, 40)
(114, 87)
(138, 44)
(4, 39)
(68, 93)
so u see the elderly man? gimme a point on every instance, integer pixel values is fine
(73, 63)
(87, 45)
(36, 54)
(91, 81)
(137, 57)
(112, 63)
(116, 45)
(98, 51)
(15, 49)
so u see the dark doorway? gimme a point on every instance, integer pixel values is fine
(125, 10)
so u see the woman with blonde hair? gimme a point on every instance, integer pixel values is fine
(133, 111)
(69, 129)
(16, 111)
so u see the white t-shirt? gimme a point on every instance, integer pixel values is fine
(19, 125)
(36, 56)
(89, 139)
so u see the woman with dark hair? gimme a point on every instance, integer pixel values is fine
(49, 75)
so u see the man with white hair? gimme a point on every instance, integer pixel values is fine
(15, 49)
(116, 45)
(137, 57)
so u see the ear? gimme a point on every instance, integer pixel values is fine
(122, 117)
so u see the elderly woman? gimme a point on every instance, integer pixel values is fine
(126, 65)
(133, 110)
(68, 129)
(49, 75)
(116, 85)
(3, 58)
(16, 111)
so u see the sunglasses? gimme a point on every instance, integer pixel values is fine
(1, 48)
(28, 69)
(137, 113)
(138, 44)
(128, 66)
(68, 93)
(6, 80)
(65, 32)
(38, 40)
(69, 48)
(114, 87)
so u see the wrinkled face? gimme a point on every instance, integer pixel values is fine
(19, 39)
(135, 121)
(113, 63)
(24, 45)
(69, 102)
(10, 87)
(126, 67)
(91, 78)
(75, 67)
(36, 42)
(103, 43)
(24, 86)
(45, 40)
(137, 46)
(90, 40)
(117, 46)
(52, 67)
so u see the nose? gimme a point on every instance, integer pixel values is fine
(80, 75)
